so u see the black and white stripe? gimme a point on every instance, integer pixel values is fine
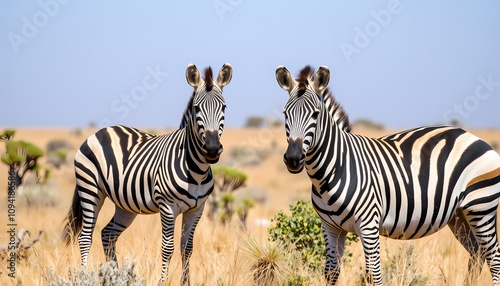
(403, 186)
(142, 173)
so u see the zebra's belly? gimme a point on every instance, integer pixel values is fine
(392, 225)
(139, 202)
(410, 228)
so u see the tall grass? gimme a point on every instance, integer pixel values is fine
(269, 264)
(220, 254)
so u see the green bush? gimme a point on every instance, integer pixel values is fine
(302, 233)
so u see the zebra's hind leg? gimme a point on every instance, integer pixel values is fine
(464, 235)
(91, 200)
(189, 221)
(481, 219)
(109, 235)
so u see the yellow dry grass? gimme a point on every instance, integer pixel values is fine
(218, 257)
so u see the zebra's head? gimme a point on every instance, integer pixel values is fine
(207, 108)
(301, 111)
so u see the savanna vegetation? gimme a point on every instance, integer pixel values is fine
(264, 232)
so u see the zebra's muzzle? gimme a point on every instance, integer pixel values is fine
(294, 157)
(212, 147)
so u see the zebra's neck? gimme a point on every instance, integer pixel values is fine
(328, 157)
(195, 160)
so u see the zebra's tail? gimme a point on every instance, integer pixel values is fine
(74, 220)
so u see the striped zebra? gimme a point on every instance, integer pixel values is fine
(142, 173)
(403, 186)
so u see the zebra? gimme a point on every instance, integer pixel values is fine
(403, 186)
(142, 173)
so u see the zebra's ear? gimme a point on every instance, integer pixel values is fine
(224, 76)
(285, 79)
(193, 76)
(321, 79)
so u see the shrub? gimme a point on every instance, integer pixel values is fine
(226, 204)
(43, 195)
(57, 151)
(400, 269)
(57, 145)
(255, 122)
(302, 232)
(367, 123)
(268, 262)
(20, 246)
(109, 274)
(223, 201)
(242, 210)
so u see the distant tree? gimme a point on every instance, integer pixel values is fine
(455, 122)
(276, 123)
(367, 123)
(57, 151)
(7, 134)
(57, 158)
(255, 122)
(227, 180)
(21, 157)
(226, 203)
(242, 211)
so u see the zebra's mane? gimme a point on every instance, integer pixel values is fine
(208, 87)
(304, 76)
(334, 108)
(208, 79)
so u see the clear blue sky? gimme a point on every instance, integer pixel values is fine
(401, 63)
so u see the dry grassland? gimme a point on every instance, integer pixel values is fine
(219, 257)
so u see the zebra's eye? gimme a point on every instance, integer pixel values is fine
(315, 114)
(224, 108)
(197, 108)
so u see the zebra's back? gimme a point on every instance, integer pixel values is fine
(442, 168)
(416, 179)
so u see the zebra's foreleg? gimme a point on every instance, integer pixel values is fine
(334, 242)
(371, 247)
(189, 221)
(109, 235)
(167, 217)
